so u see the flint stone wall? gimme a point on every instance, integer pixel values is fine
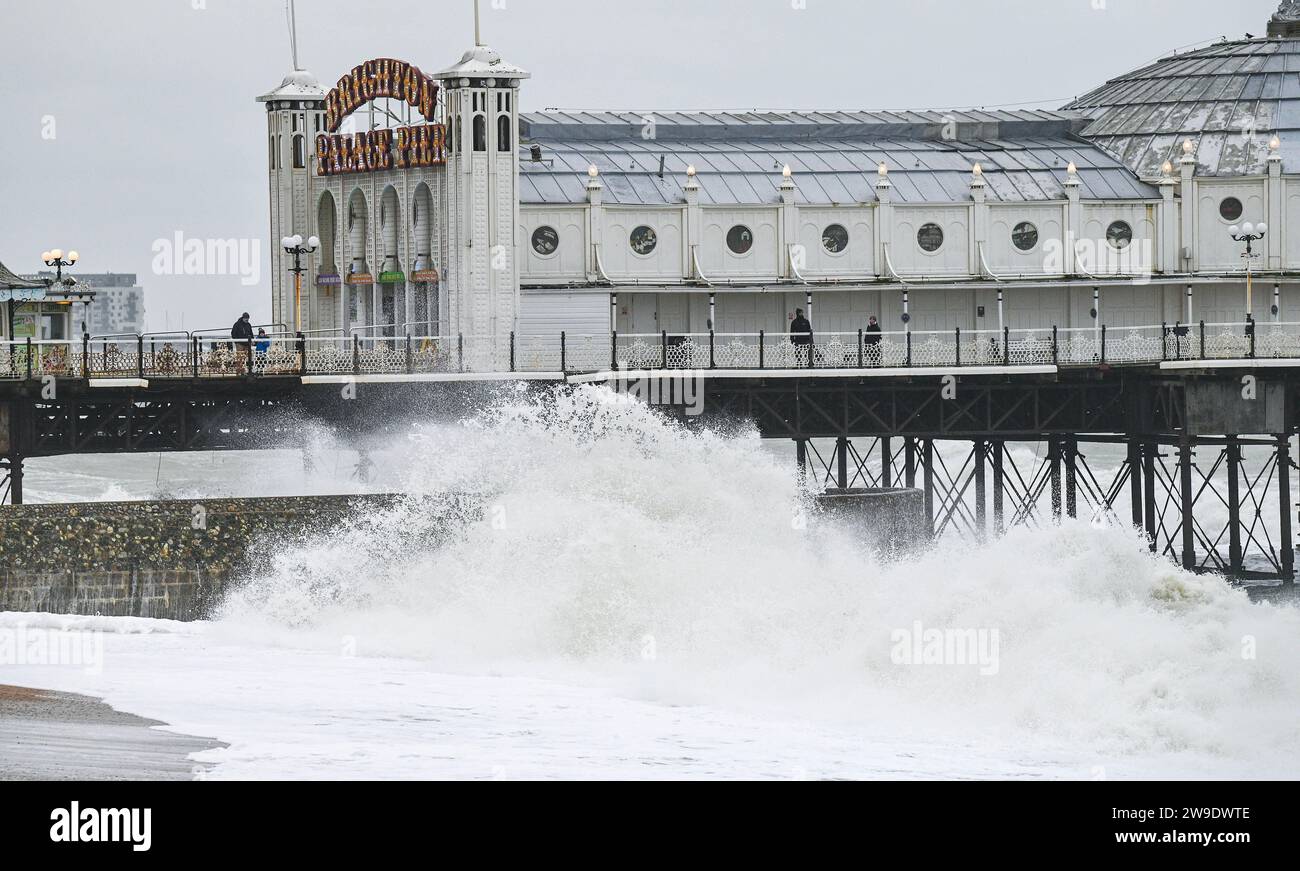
(165, 559)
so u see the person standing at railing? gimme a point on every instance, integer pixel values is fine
(242, 333)
(871, 341)
(263, 343)
(800, 329)
(801, 336)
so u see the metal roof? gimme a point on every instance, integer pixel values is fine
(298, 85)
(833, 156)
(482, 61)
(1229, 98)
(555, 124)
(12, 281)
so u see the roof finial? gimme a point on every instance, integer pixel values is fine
(478, 39)
(1286, 21)
(291, 14)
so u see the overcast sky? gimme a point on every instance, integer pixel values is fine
(155, 128)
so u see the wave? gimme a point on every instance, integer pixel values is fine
(685, 564)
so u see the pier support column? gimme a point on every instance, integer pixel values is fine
(14, 428)
(1054, 458)
(1286, 543)
(1187, 498)
(1071, 479)
(14, 468)
(1233, 452)
(981, 519)
(999, 525)
(1149, 452)
(909, 463)
(927, 458)
(842, 466)
(886, 463)
(801, 459)
(1135, 481)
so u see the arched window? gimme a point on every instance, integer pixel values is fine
(326, 216)
(480, 133)
(505, 142)
(299, 152)
(271, 149)
(457, 147)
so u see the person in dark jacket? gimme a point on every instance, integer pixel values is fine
(243, 329)
(800, 329)
(872, 341)
(241, 333)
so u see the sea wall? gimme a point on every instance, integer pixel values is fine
(167, 559)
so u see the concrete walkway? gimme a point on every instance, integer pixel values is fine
(61, 736)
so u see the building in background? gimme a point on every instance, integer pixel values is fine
(39, 307)
(119, 304)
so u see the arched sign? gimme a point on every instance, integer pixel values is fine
(376, 79)
(399, 148)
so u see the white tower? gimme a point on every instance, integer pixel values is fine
(295, 113)
(481, 95)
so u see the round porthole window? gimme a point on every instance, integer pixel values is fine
(740, 239)
(644, 240)
(835, 238)
(1025, 236)
(1119, 235)
(1230, 209)
(930, 238)
(546, 241)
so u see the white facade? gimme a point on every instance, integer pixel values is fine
(1041, 287)
(1023, 241)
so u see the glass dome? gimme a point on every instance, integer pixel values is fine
(1229, 98)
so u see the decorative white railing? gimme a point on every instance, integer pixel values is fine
(183, 355)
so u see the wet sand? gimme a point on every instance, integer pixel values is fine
(62, 736)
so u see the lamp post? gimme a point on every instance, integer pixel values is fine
(1250, 234)
(293, 246)
(56, 260)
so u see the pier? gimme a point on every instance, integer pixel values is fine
(1203, 414)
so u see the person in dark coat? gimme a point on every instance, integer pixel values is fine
(800, 329)
(243, 329)
(242, 333)
(872, 341)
